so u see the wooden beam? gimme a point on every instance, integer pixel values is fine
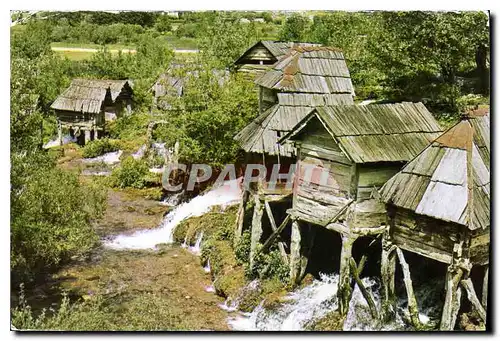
(339, 213)
(484, 298)
(295, 253)
(275, 234)
(368, 297)
(344, 288)
(412, 301)
(256, 229)
(387, 273)
(281, 245)
(471, 295)
(452, 299)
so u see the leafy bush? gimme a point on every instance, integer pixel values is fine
(131, 173)
(51, 216)
(99, 147)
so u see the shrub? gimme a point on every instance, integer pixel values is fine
(131, 173)
(99, 147)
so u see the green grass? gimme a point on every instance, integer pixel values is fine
(181, 43)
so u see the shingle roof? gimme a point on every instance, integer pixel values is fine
(262, 134)
(377, 132)
(309, 69)
(87, 95)
(276, 48)
(449, 180)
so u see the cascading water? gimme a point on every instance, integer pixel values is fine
(108, 158)
(173, 199)
(55, 142)
(227, 194)
(320, 297)
(196, 249)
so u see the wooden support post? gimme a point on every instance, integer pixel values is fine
(87, 136)
(256, 228)
(387, 272)
(306, 251)
(412, 301)
(484, 298)
(471, 295)
(281, 245)
(345, 290)
(275, 234)
(452, 300)
(240, 217)
(59, 133)
(295, 253)
(367, 295)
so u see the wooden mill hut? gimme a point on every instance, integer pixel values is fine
(306, 77)
(85, 106)
(345, 153)
(264, 53)
(439, 208)
(172, 83)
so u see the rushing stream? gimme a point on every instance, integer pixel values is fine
(314, 301)
(227, 194)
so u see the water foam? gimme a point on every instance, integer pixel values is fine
(227, 194)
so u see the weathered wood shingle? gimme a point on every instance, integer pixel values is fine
(449, 180)
(309, 69)
(376, 133)
(87, 95)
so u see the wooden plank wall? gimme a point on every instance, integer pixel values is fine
(426, 236)
(375, 175)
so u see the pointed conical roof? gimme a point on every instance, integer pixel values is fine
(450, 179)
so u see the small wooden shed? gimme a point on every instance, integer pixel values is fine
(305, 77)
(264, 53)
(85, 106)
(439, 208)
(345, 153)
(171, 83)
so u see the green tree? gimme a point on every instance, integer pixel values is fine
(222, 39)
(295, 28)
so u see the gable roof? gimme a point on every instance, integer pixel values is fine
(261, 135)
(87, 95)
(449, 180)
(276, 49)
(377, 132)
(309, 69)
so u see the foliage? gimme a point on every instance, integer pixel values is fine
(208, 115)
(294, 28)
(51, 215)
(99, 147)
(222, 39)
(131, 173)
(163, 24)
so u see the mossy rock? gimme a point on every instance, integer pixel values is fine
(332, 321)
(229, 284)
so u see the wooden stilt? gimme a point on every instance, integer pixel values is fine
(412, 301)
(452, 302)
(256, 228)
(484, 298)
(345, 290)
(295, 253)
(388, 270)
(281, 245)
(59, 133)
(306, 251)
(367, 295)
(240, 217)
(275, 234)
(471, 295)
